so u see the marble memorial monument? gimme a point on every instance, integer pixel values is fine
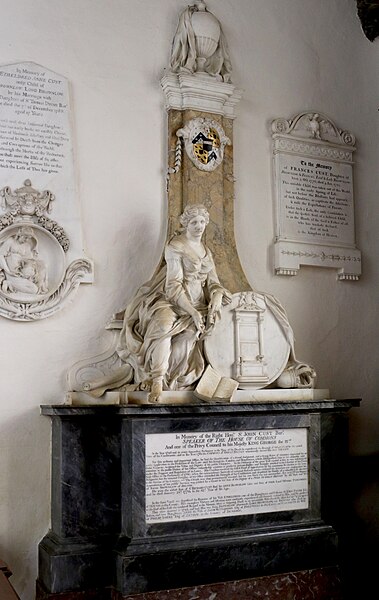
(314, 196)
(208, 467)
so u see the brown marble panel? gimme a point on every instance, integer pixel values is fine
(214, 189)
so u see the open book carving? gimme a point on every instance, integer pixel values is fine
(213, 386)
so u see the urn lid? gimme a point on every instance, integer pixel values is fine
(205, 23)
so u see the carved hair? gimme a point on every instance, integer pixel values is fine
(25, 231)
(193, 211)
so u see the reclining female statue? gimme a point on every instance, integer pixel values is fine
(161, 340)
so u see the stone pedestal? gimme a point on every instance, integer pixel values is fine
(106, 536)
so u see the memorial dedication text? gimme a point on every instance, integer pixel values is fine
(202, 475)
(316, 200)
(34, 120)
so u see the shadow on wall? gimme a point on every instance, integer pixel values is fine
(24, 494)
(368, 13)
(360, 541)
(137, 254)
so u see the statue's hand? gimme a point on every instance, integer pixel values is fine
(214, 309)
(198, 320)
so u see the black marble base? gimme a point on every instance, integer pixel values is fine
(315, 584)
(225, 558)
(67, 565)
(100, 538)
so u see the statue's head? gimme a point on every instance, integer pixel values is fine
(25, 234)
(192, 211)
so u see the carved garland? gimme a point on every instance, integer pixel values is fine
(27, 201)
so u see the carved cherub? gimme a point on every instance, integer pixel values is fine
(20, 267)
(314, 126)
(318, 126)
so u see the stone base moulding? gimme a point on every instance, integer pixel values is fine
(290, 256)
(200, 92)
(315, 584)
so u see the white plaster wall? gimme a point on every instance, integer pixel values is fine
(288, 55)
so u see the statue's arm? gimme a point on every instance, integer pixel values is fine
(217, 293)
(174, 288)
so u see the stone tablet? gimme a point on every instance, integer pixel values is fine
(35, 133)
(37, 178)
(314, 201)
(203, 475)
(248, 343)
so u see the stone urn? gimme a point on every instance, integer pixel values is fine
(207, 32)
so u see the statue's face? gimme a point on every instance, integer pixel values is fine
(28, 271)
(24, 238)
(197, 225)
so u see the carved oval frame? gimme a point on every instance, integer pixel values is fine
(62, 280)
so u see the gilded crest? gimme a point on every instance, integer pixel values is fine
(204, 141)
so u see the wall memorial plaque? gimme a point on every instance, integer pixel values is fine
(314, 196)
(41, 258)
(203, 475)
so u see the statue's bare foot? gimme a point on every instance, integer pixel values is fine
(156, 392)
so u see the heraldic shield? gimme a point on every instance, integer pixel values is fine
(204, 141)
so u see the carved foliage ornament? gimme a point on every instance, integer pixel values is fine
(204, 141)
(34, 279)
(26, 201)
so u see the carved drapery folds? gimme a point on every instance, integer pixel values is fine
(199, 45)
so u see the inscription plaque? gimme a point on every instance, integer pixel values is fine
(317, 200)
(313, 180)
(34, 136)
(37, 177)
(204, 475)
(36, 141)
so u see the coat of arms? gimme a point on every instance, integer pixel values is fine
(204, 141)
